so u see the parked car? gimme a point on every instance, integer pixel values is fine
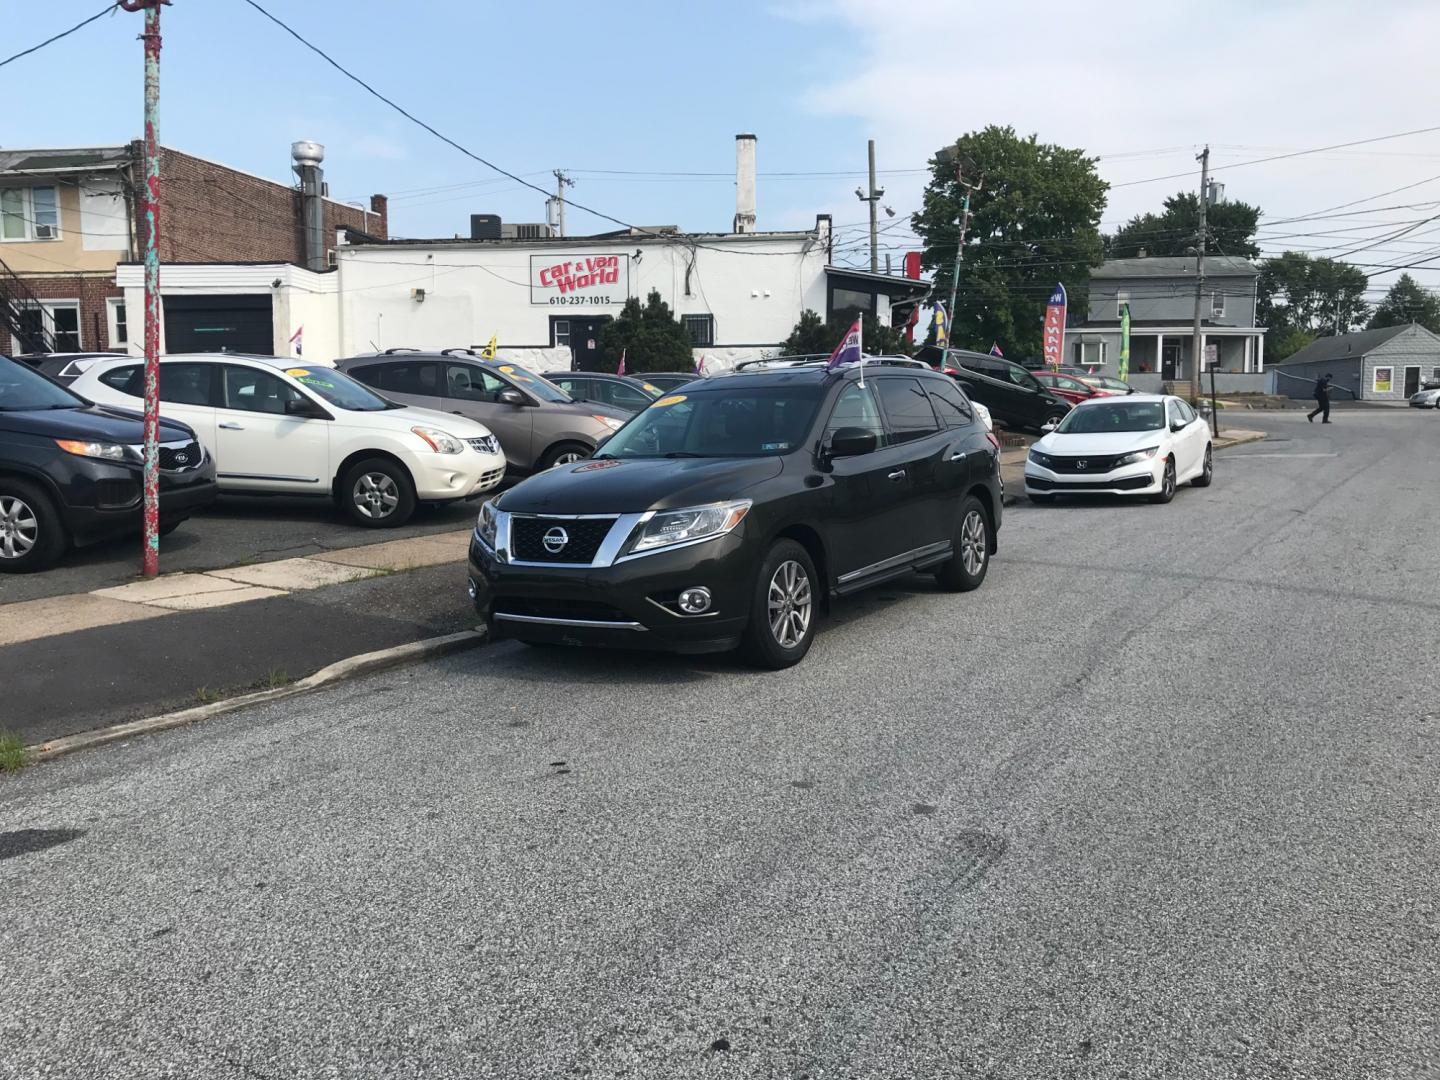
(1428, 398)
(1108, 383)
(1144, 444)
(669, 380)
(278, 426)
(1070, 388)
(63, 367)
(538, 424)
(72, 472)
(1011, 393)
(618, 391)
(731, 513)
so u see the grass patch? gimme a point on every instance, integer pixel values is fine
(274, 679)
(13, 755)
(206, 696)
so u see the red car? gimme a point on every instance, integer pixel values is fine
(1069, 387)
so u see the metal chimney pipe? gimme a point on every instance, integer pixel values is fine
(307, 156)
(744, 183)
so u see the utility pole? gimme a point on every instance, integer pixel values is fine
(561, 183)
(960, 244)
(1197, 359)
(150, 553)
(873, 198)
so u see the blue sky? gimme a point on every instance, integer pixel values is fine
(654, 87)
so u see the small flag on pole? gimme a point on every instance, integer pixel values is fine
(995, 350)
(489, 351)
(700, 367)
(849, 350)
(621, 369)
(298, 340)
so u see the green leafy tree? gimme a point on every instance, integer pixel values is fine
(1035, 222)
(811, 335)
(1407, 302)
(1300, 297)
(649, 336)
(1229, 228)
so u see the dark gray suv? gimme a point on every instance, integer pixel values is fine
(537, 423)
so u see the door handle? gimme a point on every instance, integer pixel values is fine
(233, 427)
(959, 455)
(898, 474)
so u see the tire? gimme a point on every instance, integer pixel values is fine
(1040, 500)
(377, 493)
(1207, 474)
(563, 454)
(787, 579)
(32, 536)
(973, 540)
(1167, 484)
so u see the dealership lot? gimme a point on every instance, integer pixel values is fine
(1158, 799)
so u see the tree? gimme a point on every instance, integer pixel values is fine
(1229, 230)
(1035, 222)
(812, 336)
(1406, 303)
(650, 338)
(1314, 296)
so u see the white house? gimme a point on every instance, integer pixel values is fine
(544, 297)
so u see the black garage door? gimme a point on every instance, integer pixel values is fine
(212, 323)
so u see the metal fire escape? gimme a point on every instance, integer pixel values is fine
(22, 314)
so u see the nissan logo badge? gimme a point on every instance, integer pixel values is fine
(555, 540)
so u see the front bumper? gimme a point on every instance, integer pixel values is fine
(1136, 479)
(1423, 403)
(108, 500)
(628, 604)
(447, 477)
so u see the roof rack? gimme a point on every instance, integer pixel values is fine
(820, 359)
(458, 350)
(400, 349)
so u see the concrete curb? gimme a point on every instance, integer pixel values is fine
(349, 668)
(1224, 442)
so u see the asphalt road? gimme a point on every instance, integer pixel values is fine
(1158, 801)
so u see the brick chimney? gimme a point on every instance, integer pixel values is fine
(380, 206)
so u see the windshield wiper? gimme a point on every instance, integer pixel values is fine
(36, 408)
(684, 453)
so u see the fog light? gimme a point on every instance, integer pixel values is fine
(471, 588)
(695, 601)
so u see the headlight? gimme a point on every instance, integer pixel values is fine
(105, 451)
(695, 523)
(1039, 457)
(442, 442)
(487, 524)
(609, 421)
(1138, 455)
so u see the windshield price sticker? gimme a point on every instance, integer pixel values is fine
(673, 399)
(297, 372)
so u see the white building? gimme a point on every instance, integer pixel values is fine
(545, 298)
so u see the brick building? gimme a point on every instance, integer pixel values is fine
(69, 218)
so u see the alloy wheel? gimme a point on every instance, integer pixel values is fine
(973, 547)
(568, 458)
(791, 604)
(1168, 483)
(1209, 465)
(19, 527)
(376, 495)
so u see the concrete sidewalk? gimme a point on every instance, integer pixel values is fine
(86, 660)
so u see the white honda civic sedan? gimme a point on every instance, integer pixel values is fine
(1141, 444)
(279, 426)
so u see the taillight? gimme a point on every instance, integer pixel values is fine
(993, 440)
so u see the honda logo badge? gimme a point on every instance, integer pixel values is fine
(1082, 464)
(555, 540)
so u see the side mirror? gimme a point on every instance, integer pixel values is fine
(851, 442)
(511, 397)
(1047, 427)
(1177, 425)
(304, 408)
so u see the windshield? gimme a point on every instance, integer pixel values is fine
(719, 423)
(531, 383)
(1112, 417)
(338, 389)
(22, 389)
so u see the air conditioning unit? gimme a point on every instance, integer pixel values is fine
(44, 232)
(527, 231)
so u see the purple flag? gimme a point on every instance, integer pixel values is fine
(848, 351)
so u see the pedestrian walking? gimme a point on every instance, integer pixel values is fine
(1322, 399)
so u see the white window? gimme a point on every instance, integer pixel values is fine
(58, 318)
(701, 328)
(1090, 354)
(115, 317)
(1217, 304)
(29, 214)
(1121, 299)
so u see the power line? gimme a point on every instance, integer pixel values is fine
(64, 33)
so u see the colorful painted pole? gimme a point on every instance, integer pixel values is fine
(150, 560)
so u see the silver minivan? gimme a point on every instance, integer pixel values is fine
(537, 423)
